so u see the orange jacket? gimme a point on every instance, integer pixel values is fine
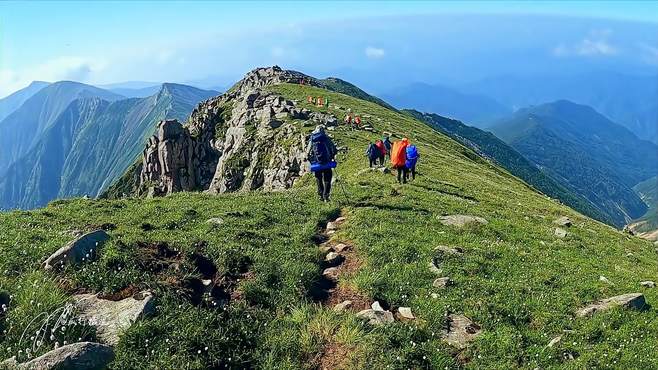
(399, 153)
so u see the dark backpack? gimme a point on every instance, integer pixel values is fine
(320, 149)
(373, 152)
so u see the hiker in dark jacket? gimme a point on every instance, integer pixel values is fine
(321, 154)
(388, 146)
(373, 153)
(411, 160)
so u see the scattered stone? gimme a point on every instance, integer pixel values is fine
(605, 280)
(333, 257)
(215, 221)
(341, 247)
(462, 220)
(331, 274)
(326, 249)
(458, 251)
(630, 300)
(563, 221)
(648, 284)
(376, 306)
(442, 282)
(405, 314)
(434, 295)
(331, 226)
(112, 317)
(331, 232)
(461, 331)
(340, 220)
(560, 233)
(435, 270)
(376, 317)
(554, 341)
(77, 250)
(343, 306)
(76, 356)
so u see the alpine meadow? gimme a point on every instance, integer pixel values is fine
(327, 190)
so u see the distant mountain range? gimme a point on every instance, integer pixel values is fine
(476, 109)
(489, 146)
(647, 225)
(586, 152)
(72, 139)
(12, 102)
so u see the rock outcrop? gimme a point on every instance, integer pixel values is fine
(631, 300)
(461, 220)
(245, 139)
(81, 249)
(76, 356)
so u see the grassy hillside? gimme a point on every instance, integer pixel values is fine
(515, 279)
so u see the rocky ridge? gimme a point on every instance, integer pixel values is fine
(242, 140)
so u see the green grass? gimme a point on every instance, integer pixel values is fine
(515, 279)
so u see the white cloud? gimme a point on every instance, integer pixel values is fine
(374, 53)
(595, 44)
(62, 68)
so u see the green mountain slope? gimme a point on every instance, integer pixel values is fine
(598, 159)
(12, 102)
(518, 281)
(478, 110)
(647, 225)
(90, 145)
(22, 129)
(489, 146)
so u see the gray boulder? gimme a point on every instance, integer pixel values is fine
(405, 314)
(331, 274)
(648, 284)
(460, 331)
(462, 220)
(560, 233)
(376, 317)
(442, 282)
(630, 300)
(563, 221)
(343, 306)
(83, 248)
(111, 318)
(76, 356)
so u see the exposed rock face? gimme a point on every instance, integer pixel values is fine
(78, 250)
(76, 356)
(112, 317)
(630, 300)
(242, 140)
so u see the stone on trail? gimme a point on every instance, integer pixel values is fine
(339, 220)
(560, 233)
(449, 250)
(331, 226)
(554, 341)
(111, 318)
(563, 221)
(630, 300)
(461, 331)
(376, 317)
(376, 306)
(340, 247)
(83, 248)
(333, 257)
(405, 314)
(435, 270)
(343, 306)
(331, 274)
(442, 282)
(648, 284)
(76, 356)
(462, 220)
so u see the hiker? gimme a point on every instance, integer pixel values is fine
(374, 154)
(357, 122)
(382, 151)
(412, 158)
(321, 154)
(399, 159)
(387, 145)
(348, 119)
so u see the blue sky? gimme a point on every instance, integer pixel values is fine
(216, 42)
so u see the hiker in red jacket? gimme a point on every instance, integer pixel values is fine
(382, 150)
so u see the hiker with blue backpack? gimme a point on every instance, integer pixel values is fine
(375, 153)
(412, 158)
(321, 154)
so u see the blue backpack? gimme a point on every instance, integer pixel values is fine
(321, 153)
(412, 156)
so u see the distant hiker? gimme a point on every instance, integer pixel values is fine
(357, 122)
(321, 154)
(399, 159)
(412, 158)
(309, 99)
(348, 119)
(382, 151)
(326, 102)
(387, 145)
(373, 153)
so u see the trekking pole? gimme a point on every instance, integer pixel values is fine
(342, 188)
